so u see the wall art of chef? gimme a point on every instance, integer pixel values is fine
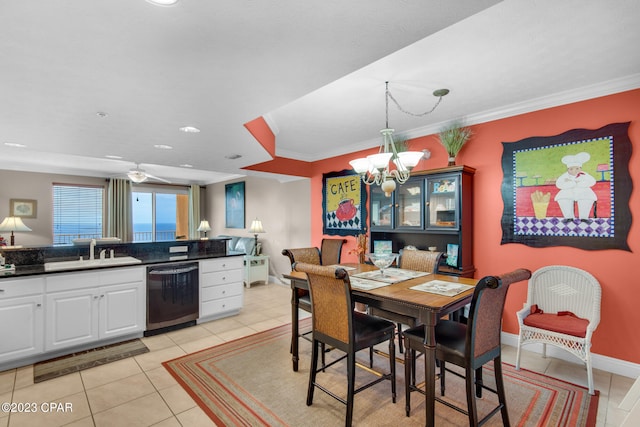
(570, 189)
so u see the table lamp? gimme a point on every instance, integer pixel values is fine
(256, 227)
(204, 226)
(13, 223)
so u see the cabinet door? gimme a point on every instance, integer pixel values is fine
(72, 318)
(22, 331)
(443, 203)
(381, 209)
(409, 202)
(122, 309)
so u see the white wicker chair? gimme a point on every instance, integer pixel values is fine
(556, 289)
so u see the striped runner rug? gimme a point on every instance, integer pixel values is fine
(250, 382)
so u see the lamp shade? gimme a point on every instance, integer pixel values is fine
(256, 227)
(204, 226)
(13, 223)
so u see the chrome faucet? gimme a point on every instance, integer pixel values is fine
(103, 253)
(92, 247)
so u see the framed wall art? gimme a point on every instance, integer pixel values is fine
(234, 205)
(25, 208)
(344, 204)
(570, 189)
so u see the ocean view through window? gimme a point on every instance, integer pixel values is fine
(157, 215)
(77, 213)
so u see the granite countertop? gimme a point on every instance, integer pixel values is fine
(30, 261)
(37, 269)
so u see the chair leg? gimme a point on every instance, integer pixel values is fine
(409, 377)
(392, 367)
(400, 347)
(497, 362)
(471, 399)
(518, 353)
(351, 380)
(442, 374)
(589, 373)
(312, 371)
(479, 382)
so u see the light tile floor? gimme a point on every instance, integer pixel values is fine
(139, 392)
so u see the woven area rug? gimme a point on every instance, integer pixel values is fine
(75, 362)
(250, 382)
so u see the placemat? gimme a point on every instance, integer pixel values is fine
(441, 287)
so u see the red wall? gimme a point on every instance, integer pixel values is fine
(617, 334)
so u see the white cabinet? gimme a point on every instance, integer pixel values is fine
(89, 306)
(21, 317)
(256, 269)
(122, 302)
(221, 287)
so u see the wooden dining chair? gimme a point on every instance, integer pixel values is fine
(337, 324)
(469, 346)
(331, 251)
(411, 260)
(309, 255)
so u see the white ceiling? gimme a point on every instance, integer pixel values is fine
(314, 71)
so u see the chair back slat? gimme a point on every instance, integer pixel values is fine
(305, 255)
(331, 304)
(420, 260)
(331, 251)
(562, 288)
(485, 315)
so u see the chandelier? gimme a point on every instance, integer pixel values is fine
(375, 168)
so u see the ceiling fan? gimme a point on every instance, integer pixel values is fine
(138, 175)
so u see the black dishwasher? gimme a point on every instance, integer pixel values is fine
(172, 297)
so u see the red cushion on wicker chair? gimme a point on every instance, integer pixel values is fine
(564, 324)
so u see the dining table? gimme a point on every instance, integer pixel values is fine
(416, 297)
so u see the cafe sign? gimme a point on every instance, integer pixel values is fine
(343, 204)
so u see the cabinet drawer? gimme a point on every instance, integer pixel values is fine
(221, 305)
(221, 291)
(114, 276)
(221, 277)
(67, 281)
(221, 264)
(20, 287)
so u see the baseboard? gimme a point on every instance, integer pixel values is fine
(604, 363)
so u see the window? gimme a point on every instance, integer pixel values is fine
(160, 214)
(77, 212)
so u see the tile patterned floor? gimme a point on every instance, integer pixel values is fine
(139, 392)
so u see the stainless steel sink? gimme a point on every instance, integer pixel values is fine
(90, 263)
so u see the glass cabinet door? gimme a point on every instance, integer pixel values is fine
(381, 209)
(442, 201)
(409, 202)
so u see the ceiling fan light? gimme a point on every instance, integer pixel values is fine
(163, 2)
(137, 176)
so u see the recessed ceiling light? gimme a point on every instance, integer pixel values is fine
(14, 144)
(163, 2)
(232, 156)
(163, 147)
(111, 156)
(186, 165)
(189, 129)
